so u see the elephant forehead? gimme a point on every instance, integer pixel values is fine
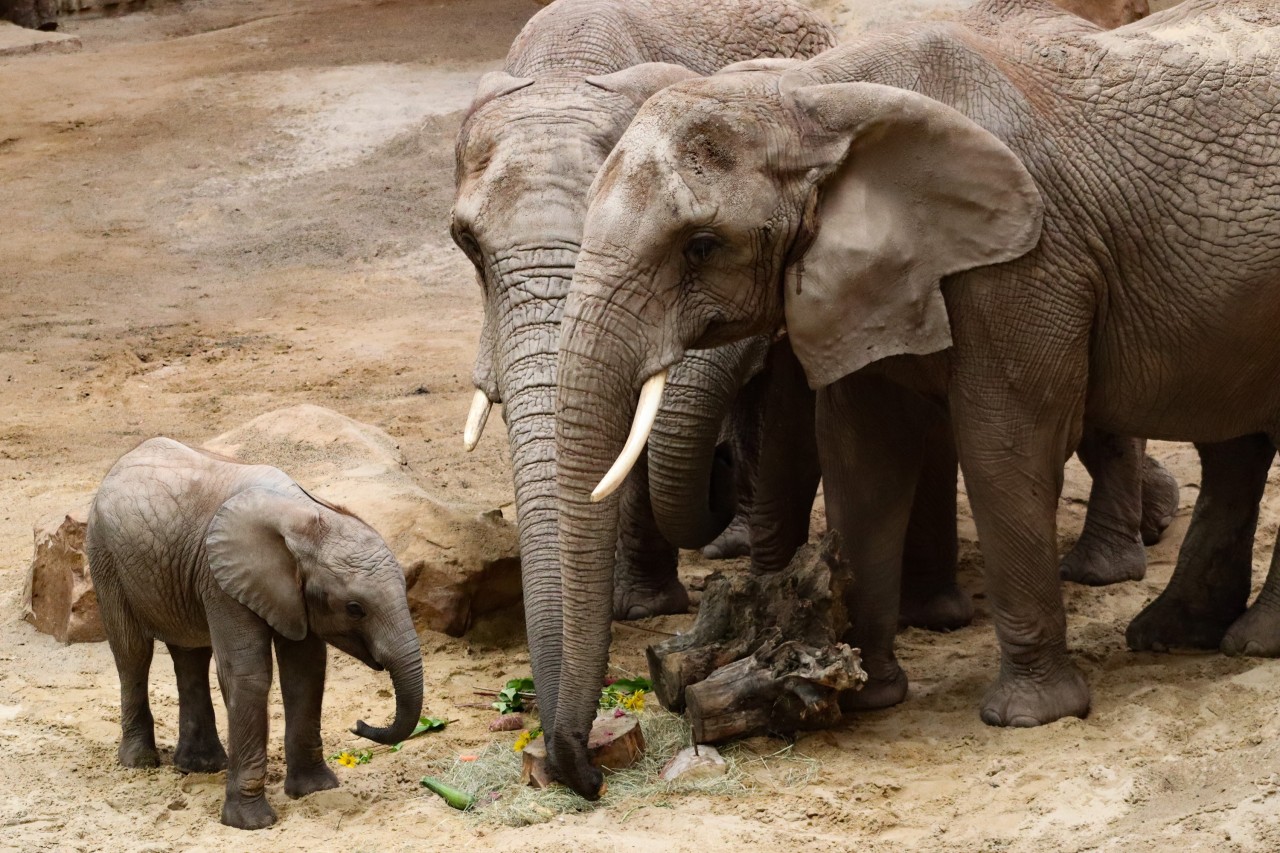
(637, 182)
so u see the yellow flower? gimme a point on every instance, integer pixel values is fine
(346, 759)
(634, 702)
(522, 741)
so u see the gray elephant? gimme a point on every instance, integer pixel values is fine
(530, 146)
(1035, 224)
(213, 557)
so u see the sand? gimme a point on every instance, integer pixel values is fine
(213, 211)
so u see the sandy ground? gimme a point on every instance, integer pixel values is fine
(216, 210)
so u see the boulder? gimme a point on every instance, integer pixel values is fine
(459, 562)
(58, 596)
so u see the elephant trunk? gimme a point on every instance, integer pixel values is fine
(532, 289)
(598, 373)
(691, 484)
(405, 666)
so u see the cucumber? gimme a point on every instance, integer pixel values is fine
(460, 800)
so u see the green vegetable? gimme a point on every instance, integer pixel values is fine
(611, 695)
(460, 800)
(513, 694)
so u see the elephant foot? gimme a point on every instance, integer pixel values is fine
(1256, 634)
(735, 541)
(639, 603)
(299, 783)
(876, 693)
(1173, 622)
(138, 752)
(947, 610)
(1159, 500)
(200, 756)
(1099, 560)
(248, 813)
(1022, 701)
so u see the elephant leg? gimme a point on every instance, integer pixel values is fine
(1012, 449)
(869, 442)
(1210, 584)
(242, 648)
(199, 750)
(1109, 549)
(645, 579)
(1257, 632)
(132, 647)
(1159, 500)
(302, 671)
(931, 598)
(788, 472)
(745, 442)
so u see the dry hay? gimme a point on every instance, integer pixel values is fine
(494, 776)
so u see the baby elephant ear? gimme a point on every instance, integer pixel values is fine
(641, 82)
(909, 191)
(251, 544)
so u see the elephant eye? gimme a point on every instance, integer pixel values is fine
(467, 243)
(700, 248)
(354, 610)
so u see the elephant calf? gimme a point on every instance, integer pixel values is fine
(218, 558)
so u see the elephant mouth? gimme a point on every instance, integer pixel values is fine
(356, 647)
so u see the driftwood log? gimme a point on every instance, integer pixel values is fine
(764, 654)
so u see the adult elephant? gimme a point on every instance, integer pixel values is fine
(536, 134)
(936, 214)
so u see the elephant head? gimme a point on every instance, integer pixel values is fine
(307, 566)
(526, 155)
(731, 207)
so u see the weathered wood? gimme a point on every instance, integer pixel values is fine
(803, 603)
(784, 687)
(615, 743)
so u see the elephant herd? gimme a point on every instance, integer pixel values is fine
(722, 258)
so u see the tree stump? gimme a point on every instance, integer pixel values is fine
(804, 602)
(615, 743)
(764, 654)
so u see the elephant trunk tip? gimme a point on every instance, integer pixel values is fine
(577, 771)
(388, 735)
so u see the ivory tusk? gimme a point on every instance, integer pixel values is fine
(646, 413)
(479, 413)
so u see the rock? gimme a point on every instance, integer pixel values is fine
(58, 596)
(694, 762)
(459, 562)
(16, 40)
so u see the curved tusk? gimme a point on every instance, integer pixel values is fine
(479, 413)
(646, 413)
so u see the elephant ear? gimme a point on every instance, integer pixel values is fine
(640, 82)
(908, 191)
(495, 84)
(251, 545)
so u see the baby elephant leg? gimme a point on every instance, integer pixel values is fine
(242, 643)
(132, 647)
(199, 750)
(302, 670)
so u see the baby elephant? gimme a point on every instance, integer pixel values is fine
(215, 557)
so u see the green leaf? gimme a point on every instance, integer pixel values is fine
(428, 724)
(510, 697)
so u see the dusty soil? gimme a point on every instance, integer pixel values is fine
(222, 207)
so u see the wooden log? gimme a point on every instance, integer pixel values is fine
(615, 743)
(784, 687)
(804, 602)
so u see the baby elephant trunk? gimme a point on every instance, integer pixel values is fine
(405, 668)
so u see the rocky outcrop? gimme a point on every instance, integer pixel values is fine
(58, 596)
